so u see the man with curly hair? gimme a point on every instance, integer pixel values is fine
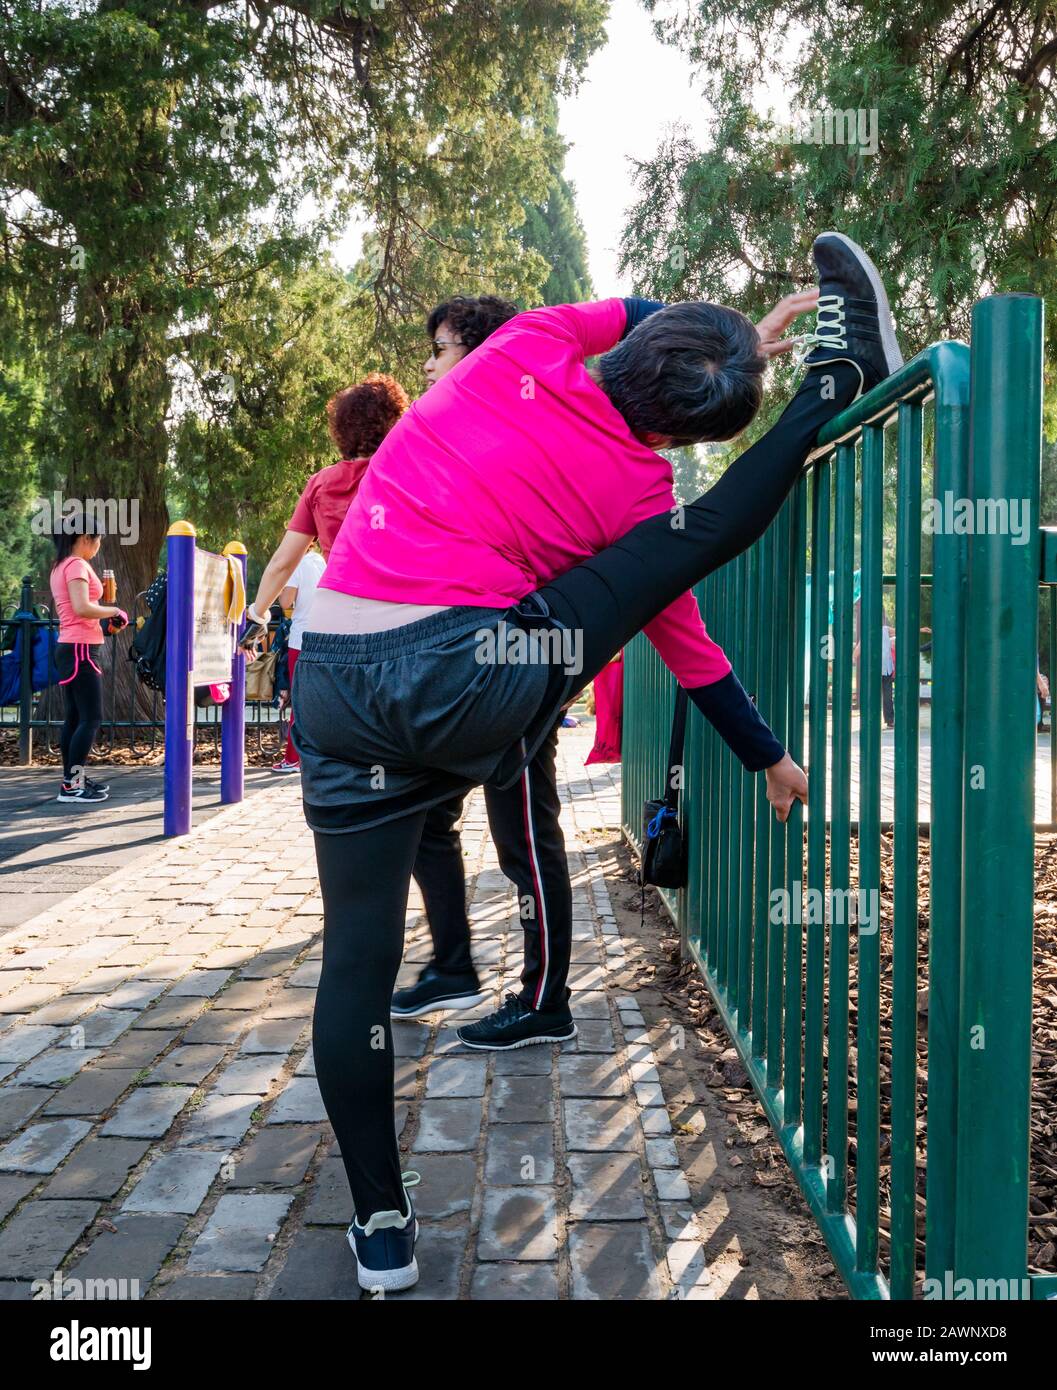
(359, 418)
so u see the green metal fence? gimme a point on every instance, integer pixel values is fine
(912, 1152)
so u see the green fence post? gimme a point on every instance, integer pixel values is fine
(946, 739)
(994, 1052)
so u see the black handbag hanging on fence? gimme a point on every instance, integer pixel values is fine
(664, 858)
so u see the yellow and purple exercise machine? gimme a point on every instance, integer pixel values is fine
(205, 617)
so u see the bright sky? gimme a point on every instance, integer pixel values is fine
(635, 89)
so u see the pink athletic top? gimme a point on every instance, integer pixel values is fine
(71, 627)
(513, 468)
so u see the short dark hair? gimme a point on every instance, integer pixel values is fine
(691, 371)
(361, 416)
(473, 320)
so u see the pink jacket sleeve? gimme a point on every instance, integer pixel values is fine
(596, 325)
(678, 633)
(684, 645)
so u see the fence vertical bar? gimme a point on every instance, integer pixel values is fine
(840, 827)
(25, 690)
(778, 924)
(946, 740)
(735, 651)
(994, 1071)
(815, 971)
(179, 662)
(867, 1050)
(794, 945)
(748, 805)
(905, 857)
(763, 819)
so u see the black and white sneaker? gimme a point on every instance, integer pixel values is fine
(72, 791)
(434, 991)
(516, 1025)
(96, 786)
(385, 1247)
(854, 323)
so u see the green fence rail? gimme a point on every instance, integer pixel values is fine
(815, 975)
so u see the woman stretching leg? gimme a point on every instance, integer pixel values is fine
(394, 721)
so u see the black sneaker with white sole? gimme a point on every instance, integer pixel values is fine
(854, 323)
(385, 1247)
(434, 990)
(516, 1025)
(96, 786)
(72, 791)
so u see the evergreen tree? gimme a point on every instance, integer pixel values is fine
(552, 227)
(947, 177)
(156, 161)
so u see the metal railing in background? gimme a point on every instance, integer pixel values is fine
(811, 953)
(133, 718)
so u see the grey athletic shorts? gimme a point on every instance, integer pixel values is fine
(388, 723)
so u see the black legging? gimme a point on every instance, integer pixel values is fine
(82, 688)
(364, 875)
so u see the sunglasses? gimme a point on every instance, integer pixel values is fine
(439, 344)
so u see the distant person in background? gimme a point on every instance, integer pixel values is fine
(888, 672)
(298, 595)
(1042, 694)
(76, 590)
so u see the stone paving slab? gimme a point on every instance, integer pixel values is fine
(160, 1119)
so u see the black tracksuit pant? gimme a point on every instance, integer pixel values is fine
(525, 827)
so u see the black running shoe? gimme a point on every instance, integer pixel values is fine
(516, 1025)
(70, 791)
(855, 323)
(385, 1255)
(96, 786)
(434, 991)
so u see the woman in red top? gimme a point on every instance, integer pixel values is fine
(359, 418)
(76, 590)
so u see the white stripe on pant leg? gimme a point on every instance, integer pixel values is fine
(545, 945)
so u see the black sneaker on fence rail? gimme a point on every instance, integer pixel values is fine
(82, 793)
(854, 322)
(434, 991)
(516, 1025)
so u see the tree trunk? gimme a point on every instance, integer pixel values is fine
(120, 463)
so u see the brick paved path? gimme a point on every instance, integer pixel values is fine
(160, 1120)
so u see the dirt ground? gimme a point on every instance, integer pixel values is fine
(260, 752)
(755, 1224)
(768, 1221)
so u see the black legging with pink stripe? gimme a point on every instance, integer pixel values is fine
(82, 686)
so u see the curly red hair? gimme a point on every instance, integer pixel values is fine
(361, 416)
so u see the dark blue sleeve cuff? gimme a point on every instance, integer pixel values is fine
(637, 310)
(730, 711)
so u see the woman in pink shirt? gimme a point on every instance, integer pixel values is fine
(515, 530)
(76, 590)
